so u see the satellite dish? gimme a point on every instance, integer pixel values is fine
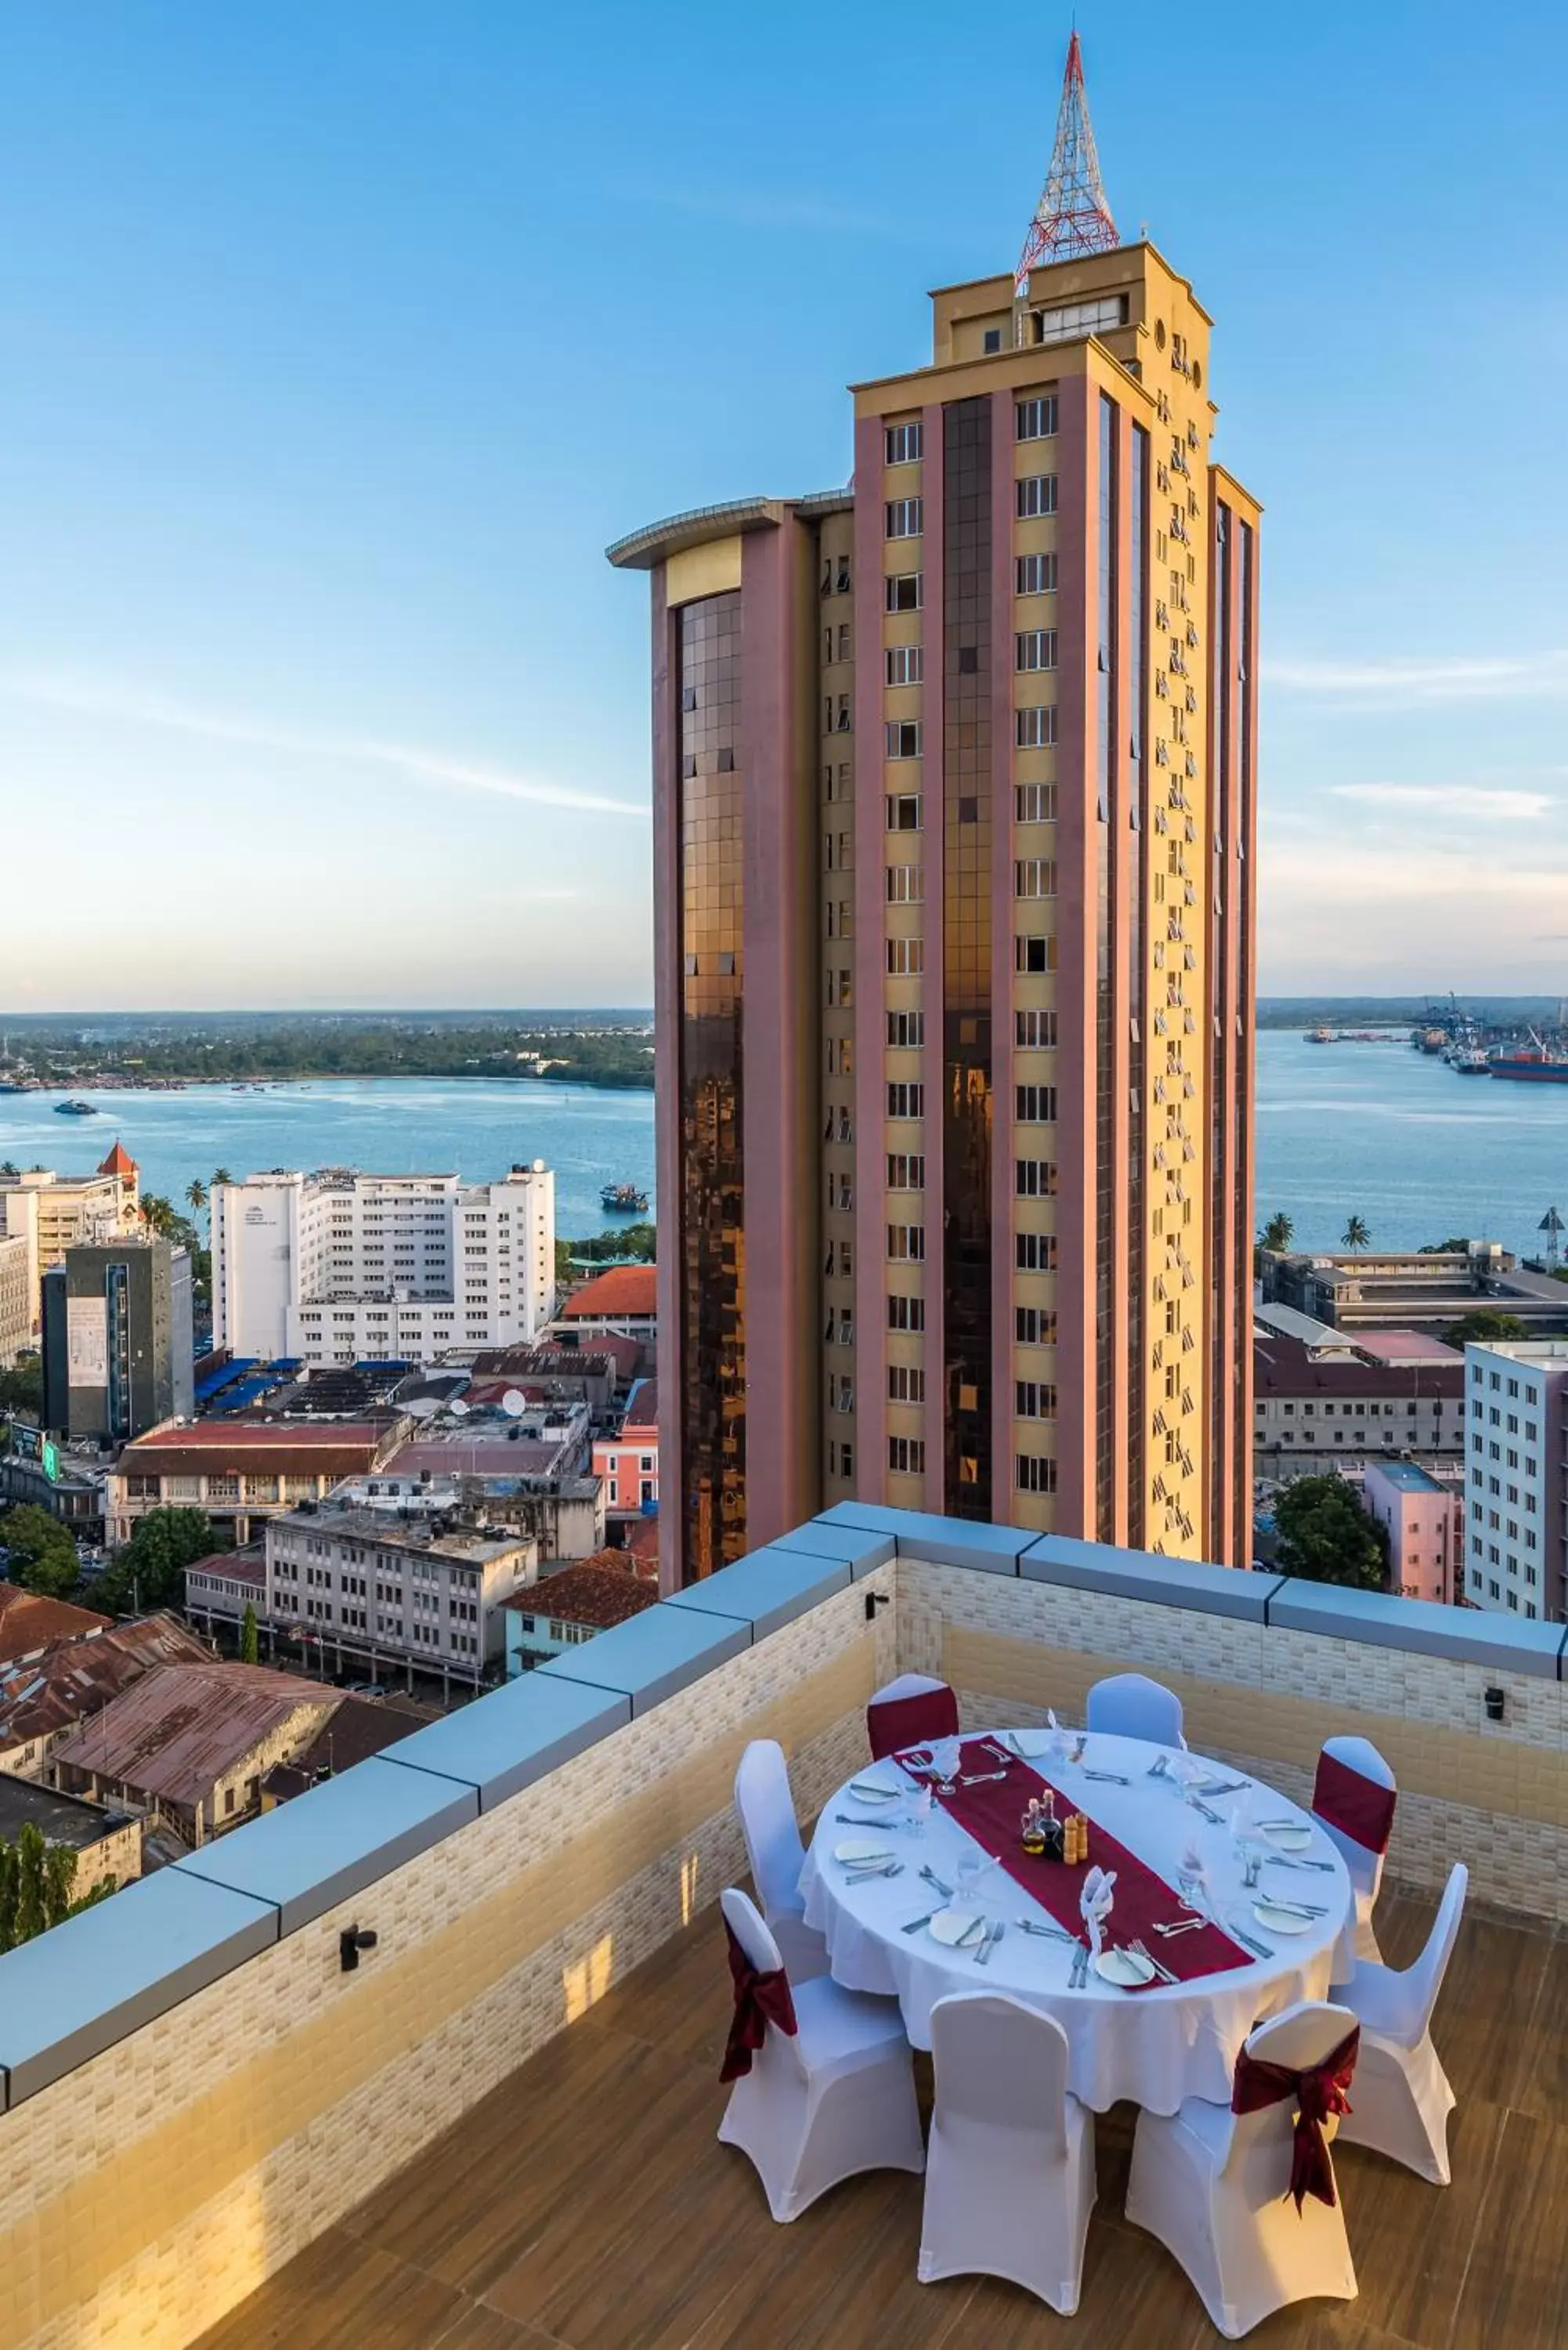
(457, 1408)
(513, 1403)
(423, 1407)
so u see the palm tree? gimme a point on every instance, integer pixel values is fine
(1278, 1232)
(221, 1175)
(1356, 1236)
(195, 1195)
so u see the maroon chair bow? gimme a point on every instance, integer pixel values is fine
(918, 1721)
(1357, 1806)
(761, 1997)
(1317, 2093)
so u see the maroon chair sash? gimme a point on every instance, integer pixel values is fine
(916, 1721)
(1357, 1806)
(761, 1997)
(1317, 2093)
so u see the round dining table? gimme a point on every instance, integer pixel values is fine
(1155, 2045)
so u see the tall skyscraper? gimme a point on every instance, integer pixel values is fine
(954, 796)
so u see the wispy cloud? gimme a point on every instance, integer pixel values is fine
(1405, 682)
(1474, 800)
(417, 763)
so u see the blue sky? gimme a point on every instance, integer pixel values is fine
(336, 343)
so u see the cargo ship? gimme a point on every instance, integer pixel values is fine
(623, 1199)
(1533, 1065)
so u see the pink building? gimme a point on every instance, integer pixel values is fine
(1424, 1520)
(628, 1462)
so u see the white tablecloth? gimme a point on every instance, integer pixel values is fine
(1154, 2046)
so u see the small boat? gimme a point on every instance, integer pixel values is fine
(623, 1199)
(1471, 1062)
(76, 1110)
(1319, 1036)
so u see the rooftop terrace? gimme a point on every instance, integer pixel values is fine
(586, 2205)
(497, 2128)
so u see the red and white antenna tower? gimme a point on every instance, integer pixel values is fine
(1072, 217)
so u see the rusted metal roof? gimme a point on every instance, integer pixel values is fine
(183, 1726)
(75, 1677)
(29, 1622)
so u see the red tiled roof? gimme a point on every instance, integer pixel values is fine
(292, 1447)
(119, 1161)
(29, 1622)
(624, 1289)
(1284, 1366)
(602, 1590)
(183, 1726)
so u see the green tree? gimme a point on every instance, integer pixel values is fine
(159, 1214)
(1454, 1246)
(150, 1572)
(59, 1868)
(1356, 1235)
(42, 1555)
(1486, 1326)
(220, 1175)
(195, 1195)
(8, 1889)
(22, 1387)
(250, 1639)
(32, 1904)
(1278, 1232)
(1325, 1536)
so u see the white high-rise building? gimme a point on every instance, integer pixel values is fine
(339, 1267)
(1516, 1504)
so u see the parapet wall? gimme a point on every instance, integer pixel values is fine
(196, 2089)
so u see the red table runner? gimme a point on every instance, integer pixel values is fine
(991, 1814)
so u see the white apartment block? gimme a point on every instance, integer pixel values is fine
(50, 1213)
(1516, 1502)
(395, 1581)
(339, 1267)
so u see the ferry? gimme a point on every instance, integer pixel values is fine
(623, 1199)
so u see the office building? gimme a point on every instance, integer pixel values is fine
(18, 1310)
(339, 1267)
(51, 1213)
(240, 1472)
(1516, 1506)
(400, 1580)
(1324, 1400)
(119, 1351)
(1424, 1518)
(954, 788)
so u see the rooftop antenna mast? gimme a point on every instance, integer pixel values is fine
(1072, 218)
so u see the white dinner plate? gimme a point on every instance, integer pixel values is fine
(1124, 1967)
(1288, 1837)
(1031, 1743)
(857, 1850)
(1282, 1921)
(869, 1795)
(954, 1927)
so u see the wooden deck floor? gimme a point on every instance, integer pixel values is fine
(586, 2205)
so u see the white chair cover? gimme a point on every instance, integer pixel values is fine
(837, 2098)
(1360, 1755)
(1009, 2175)
(766, 1811)
(1401, 2099)
(1129, 1705)
(1214, 2185)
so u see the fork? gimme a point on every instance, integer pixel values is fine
(1140, 1951)
(989, 1941)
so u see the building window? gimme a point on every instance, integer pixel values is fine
(1036, 419)
(991, 341)
(907, 1455)
(904, 443)
(906, 1384)
(1033, 1326)
(1034, 729)
(1036, 1252)
(1034, 1031)
(1034, 648)
(1035, 1179)
(1034, 877)
(906, 1170)
(902, 738)
(906, 517)
(906, 1030)
(1034, 802)
(904, 810)
(1034, 951)
(905, 664)
(906, 1100)
(906, 591)
(1033, 1400)
(1036, 1473)
(906, 1313)
(1036, 1105)
(906, 885)
(1036, 495)
(906, 958)
(905, 1243)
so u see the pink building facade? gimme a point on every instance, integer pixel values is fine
(1424, 1520)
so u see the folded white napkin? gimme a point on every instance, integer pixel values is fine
(1095, 1902)
(947, 1758)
